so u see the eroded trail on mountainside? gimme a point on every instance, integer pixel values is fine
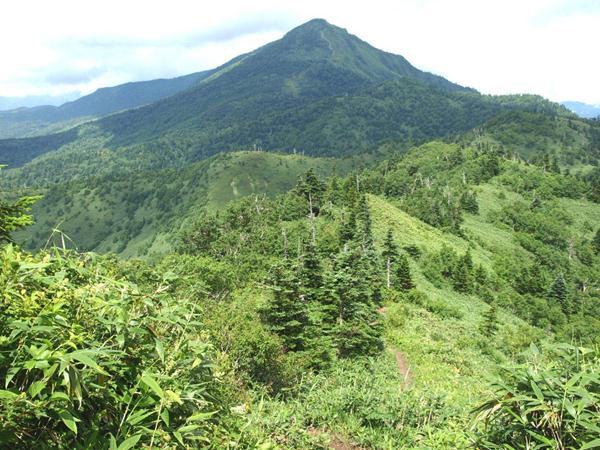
(401, 361)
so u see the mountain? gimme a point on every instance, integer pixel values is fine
(300, 93)
(30, 101)
(43, 119)
(583, 109)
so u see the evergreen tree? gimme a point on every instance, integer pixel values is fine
(489, 326)
(363, 223)
(468, 202)
(13, 215)
(536, 203)
(558, 293)
(403, 279)
(480, 276)
(596, 242)
(286, 313)
(347, 230)
(311, 279)
(554, 167)
(461, 276)
(333, 191)
(390, 255)
(312, 189)
(357, 329)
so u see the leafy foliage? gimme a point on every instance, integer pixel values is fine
(551, 401)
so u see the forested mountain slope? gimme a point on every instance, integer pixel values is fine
(318, 90)
(140, 215)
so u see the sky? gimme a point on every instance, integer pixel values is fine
(545, 47)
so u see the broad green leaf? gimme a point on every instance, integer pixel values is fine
(187, 428)
(112, 443)
(129, 442)
(35, 388)
(68, 420)
(164, 415)
(199, 417)
(152, 384)
(7, 395)
(592, 444)
(138, 416)
(160, 350)
(59, 396)
(84, 358)
(178, 436)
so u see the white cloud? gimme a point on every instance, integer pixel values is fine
(543, 47)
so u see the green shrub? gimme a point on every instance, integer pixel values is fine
(86, 357)
(551, 401)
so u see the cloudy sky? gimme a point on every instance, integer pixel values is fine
(546, 47)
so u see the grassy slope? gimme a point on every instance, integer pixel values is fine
(137, 216)
(451, 362)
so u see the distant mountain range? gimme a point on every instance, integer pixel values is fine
(39, 120)
(30, 101)
(583, 109)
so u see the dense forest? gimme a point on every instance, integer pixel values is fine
(315, 245)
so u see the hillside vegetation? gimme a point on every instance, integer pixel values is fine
(316, 246)
(336, 314)
(138, 215)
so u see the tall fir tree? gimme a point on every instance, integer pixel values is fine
(287, 313)
(390, 255)
(403, 279)
(14, 215)
(347, 230)
(596, 242)
(364, 230)
(558, 293)
(461, 275)
(489, 325)
(311, 278)
(357, 329)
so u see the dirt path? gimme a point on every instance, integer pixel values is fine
(336, 441)
(401, 360)
(403, 367)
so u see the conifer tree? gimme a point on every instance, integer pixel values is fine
(364, 223)
(480, 276)
(596, 242)
(286, 314)
(311, 279)
(403, 279)
(536, 203)
(468, 202)
(461, 276)
(489, 326)
(390, 255)
(312, 189)
(14, 215)
(332, 192)
(554, 167)
(356, 329)
(348, 226)
(558, 293)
